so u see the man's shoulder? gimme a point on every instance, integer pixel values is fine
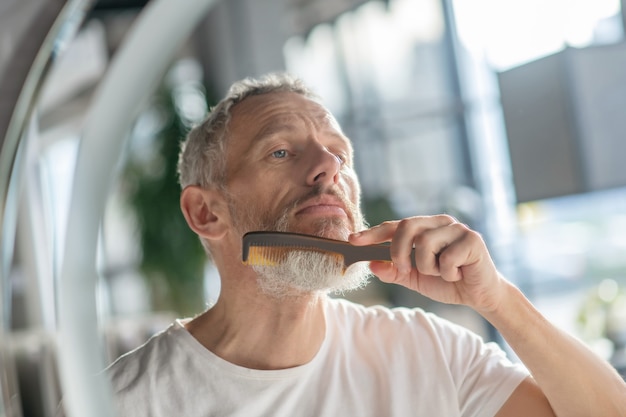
(130, 368)
(355, 317)
(404, 320)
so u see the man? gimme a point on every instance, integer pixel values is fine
(271, 157)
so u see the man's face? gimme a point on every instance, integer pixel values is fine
(289, 168)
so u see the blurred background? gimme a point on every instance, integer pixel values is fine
(508, 114)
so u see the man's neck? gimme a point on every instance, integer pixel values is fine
(261, 332)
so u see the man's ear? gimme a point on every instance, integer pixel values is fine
(205, 211)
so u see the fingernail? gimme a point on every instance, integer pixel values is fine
(357, 234)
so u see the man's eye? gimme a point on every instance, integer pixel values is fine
(279, 154)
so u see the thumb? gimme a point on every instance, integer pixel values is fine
(385, 271)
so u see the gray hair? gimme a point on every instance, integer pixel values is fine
(202, 159)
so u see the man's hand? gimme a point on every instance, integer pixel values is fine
(452, 264)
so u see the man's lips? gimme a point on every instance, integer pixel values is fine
(324, 205)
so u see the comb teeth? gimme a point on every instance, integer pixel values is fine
(258, 255)
(262, 255)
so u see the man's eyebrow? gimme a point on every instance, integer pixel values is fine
(288, 126)
(274, 129)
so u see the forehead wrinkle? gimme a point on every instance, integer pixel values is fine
(292, 122)
(289, 119)
(273, 128)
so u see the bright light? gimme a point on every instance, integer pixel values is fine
(511, 32)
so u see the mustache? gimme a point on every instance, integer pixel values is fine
(247, 220)
(317, 191)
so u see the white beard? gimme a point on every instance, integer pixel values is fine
(305, 272)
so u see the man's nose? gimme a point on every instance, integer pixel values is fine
(325, 166)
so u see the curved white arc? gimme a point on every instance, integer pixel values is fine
(66, 20)
(134, 74)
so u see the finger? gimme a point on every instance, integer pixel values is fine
(378, 234)
(385, 271)
(385, 231)
(429, 286)
(466, 251)
(409, 233)
(434, 246)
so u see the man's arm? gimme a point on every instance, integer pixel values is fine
(526, 400)
(453, 266)
(573, 378)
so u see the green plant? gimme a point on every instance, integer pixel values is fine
(173, 259)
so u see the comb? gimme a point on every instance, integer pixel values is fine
(269, 248)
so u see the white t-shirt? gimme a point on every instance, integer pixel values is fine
(374, 361)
